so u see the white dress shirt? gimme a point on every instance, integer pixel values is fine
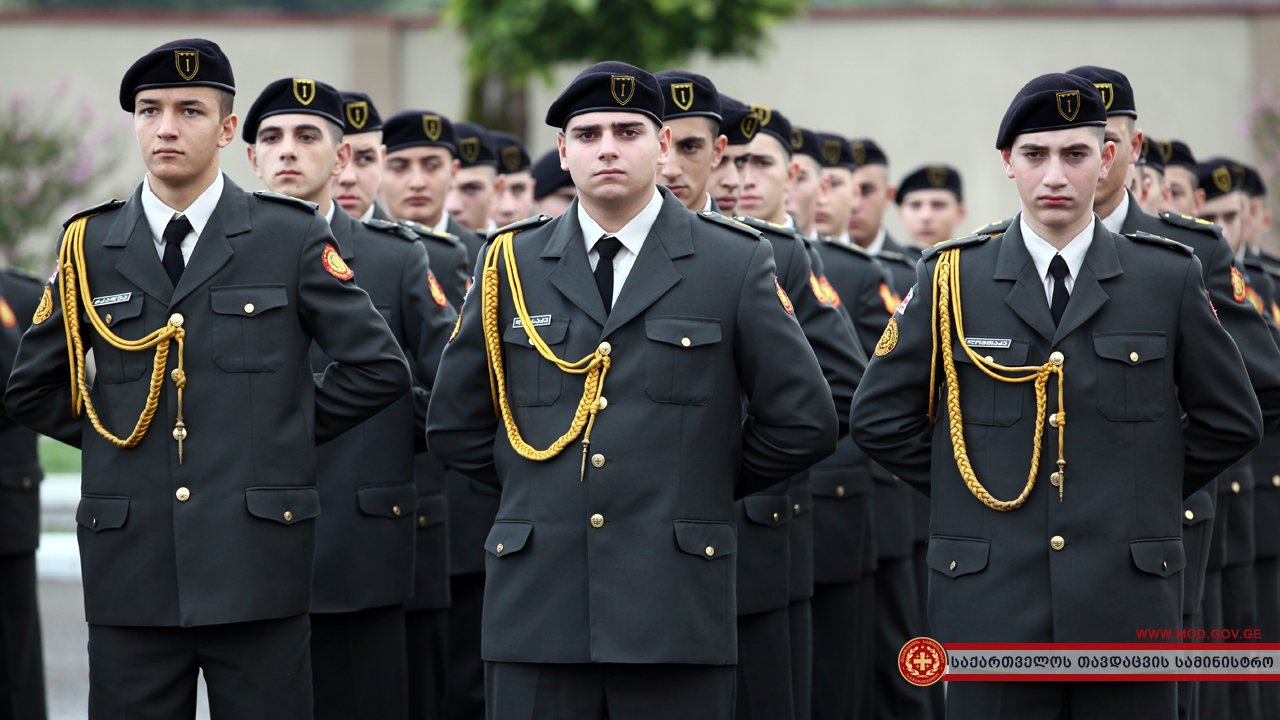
(1042, 254)
(631, 235)
(368, 213)
(877, 245)
(707, 206)
(333, 207)
(1115, 220)
(443, 225)
(158, 215)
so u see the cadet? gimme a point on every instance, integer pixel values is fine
(422, 165)
(1225, 204)
(739, 126)
(419, 147)
(775, 559)
(1060, 292)
(1182, 173)
(514, 200)
(365, 534)
(611, 584)
(872, 194)
(477, 182)
(356, 187)
(197, 530)
(693, 116)
(1151, 190)
(553, 190)
(931, 205)
(802, 199)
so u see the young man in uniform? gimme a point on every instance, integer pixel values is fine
(1182, 173)
(553, 190)
(931, 204)
(802, 199)
(197, 530)
(872, 194)
(477, 182)
(514, 200)
(365, 533)
(739, 125)
(693, 115)
(357, 185)
(1061, 292)
(1151, 190)
(1225, 204)
(611, 569)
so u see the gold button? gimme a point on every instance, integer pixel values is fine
(605, 348)
(176, 375)
(248, 308)
(175, 319)
(1133, 357)
(288, 516)
(839, 491)
(183, 494)
(1056, 358)
(797, 508)
(531, 342)
(1235, 486)
(953, 564)
(685, 342)
(26, 483)
(422, 521)
(710, 551)
(597, 460)
(95, 522)
(1165, 564)
(1053, 420)
(1057, 543)
(498, 549)
(1189, 515)
(1275, 480)
(604, 402)
(597, 520)
(108, 318)
(775, 517)
(989, 359)
(395, 510)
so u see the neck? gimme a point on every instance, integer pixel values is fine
(777, 217)
(697, 198)
(613, 215)
(180, 194)
(1058, 237)
(868, 239)
(435, 218)
(323, 199)
(1105, 206)
(805, 227)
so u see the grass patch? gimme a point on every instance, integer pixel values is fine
(57, 457)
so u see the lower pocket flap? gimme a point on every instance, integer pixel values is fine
(707, 540)
(388, 501)
(508, 536)
(768, 509)
(838, 486)
(956, 556)
(102, 512)
(1162, 557)
(24, 478)
(285, 505)
(432, 510)
(247, 300)
(1197, 508)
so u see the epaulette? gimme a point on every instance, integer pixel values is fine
(519, 225)
(731, 223)
(895, 256)
(1271, 269)
(24, 274)
(765, 226)
(427, 231)
(287, 199)
(111, 204)
(1187, 221)
(953, 243)
(993, 228)
(848, 247)
(391, 228)
(1147, 237)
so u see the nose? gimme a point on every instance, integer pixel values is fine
(608, 147)
(168, 127)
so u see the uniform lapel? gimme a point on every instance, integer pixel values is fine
(343, 229)
(139, 263)
(1087, 296)
(572, 274)
(1027, 296)
(1135, 214)
(213, 250)
(653, 273)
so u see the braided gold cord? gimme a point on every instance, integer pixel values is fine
(73, 284)
(594, 366)
(946, 287)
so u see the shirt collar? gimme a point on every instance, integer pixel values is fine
(878, 244)
(443, 225)
(706, 207)
(1042, 252)
(632, 234)
(1115, 220)
(333, 208)
(790, 223)
(159, 214)
(368, 213)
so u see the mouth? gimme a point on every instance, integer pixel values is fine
(167, 152)
(347, 200)
(1054, 200)
(288, 174)
(749, 200)
(821, 217)
(677, 190)
(417, 201)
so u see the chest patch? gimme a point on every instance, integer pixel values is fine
(45, 308)
(111, 299)
(535, 320)
(1237, 285)
(437, 292)
(888, 340)
(334, 263)
(988, 342)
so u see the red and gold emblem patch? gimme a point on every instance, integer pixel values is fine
(922, 661)
(816, 288)
(7, 318)
(833, 297)
(334, 263)
(1255, 300)
(889, 339)
(782, 296)
(891, 300)
(1275, 313)
(1237, 285)
(437, 293)
(45, 308)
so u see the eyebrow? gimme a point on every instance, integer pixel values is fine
(182, 103)
(277, 128)
(690, 138)
(612, 126)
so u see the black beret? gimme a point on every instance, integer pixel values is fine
(359, 115)
(687, 94)
(1253, 184)
(292, 95)
(836, 151)
(740, 123)
(174, 64)
(1051, 102)
(1151, 155)
(932, 177)
(418, 128)
(776, 124)
(806, 142)
(1219, 176)
(475, 146)
(1176, 152)
(867, 152)
(548, 175)
(513, 156)
(1117, 93)
(608, 87)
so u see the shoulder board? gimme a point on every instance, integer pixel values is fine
(24, 274)
(765, 226)
(855, 249)
(287, 199)
(111, 204)
(426, 230)
(993, 228)
(953, 243)
(1273, 270)
(1150, 239)
(390, 228)
(1187, 221)
(1253, 263)
(895, 256)
(519, 225)
(731, 223)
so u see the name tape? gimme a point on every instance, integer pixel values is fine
(112, 299)
(537, 320)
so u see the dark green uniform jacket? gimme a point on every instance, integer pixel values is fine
(714, 393)
(253, 409)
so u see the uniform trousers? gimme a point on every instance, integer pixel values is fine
(764, 666)
(426, 633)
(800, 615)
(1239, 613)
(1189, 692)
(464, 685)
(1212, 695)
(608, 691)
(1266, 575)
(920, 563)
(897, 622)
(21, 660)
(259, 670)
(844, 622)
(1021, 700)
(358, 665)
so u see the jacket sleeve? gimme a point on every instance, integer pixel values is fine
(1223, 421)
(39, 390)
(1250, 332)
(427, 325)
(369, 371)
(791, 420)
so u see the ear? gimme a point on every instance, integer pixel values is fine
(1197, 201)
(499, 183)
(890, 193)
(1135, 147)
(344, 158)
(664, 144)
(1108, 159)
(962, 212)
(227, 132)
(717, 150)
(1006, 158)
(454, 168)
(252, 151)
(560, 145)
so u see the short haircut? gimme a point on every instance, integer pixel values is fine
(715, 127)
(226, 101)
(336, 130)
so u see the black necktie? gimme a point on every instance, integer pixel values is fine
(174, 232)
(1058, 269)
(607, 246)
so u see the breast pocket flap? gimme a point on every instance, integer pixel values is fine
(1162, 556)
(118, 310)
(707, 540)
(683, 331)
(285, 505)
(389, 501)
(507, 537)
(1131, 349)
(956, 556)
(552, 333)
(247, 300)
(768, 509)
(102, 512)
(1010, 352)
